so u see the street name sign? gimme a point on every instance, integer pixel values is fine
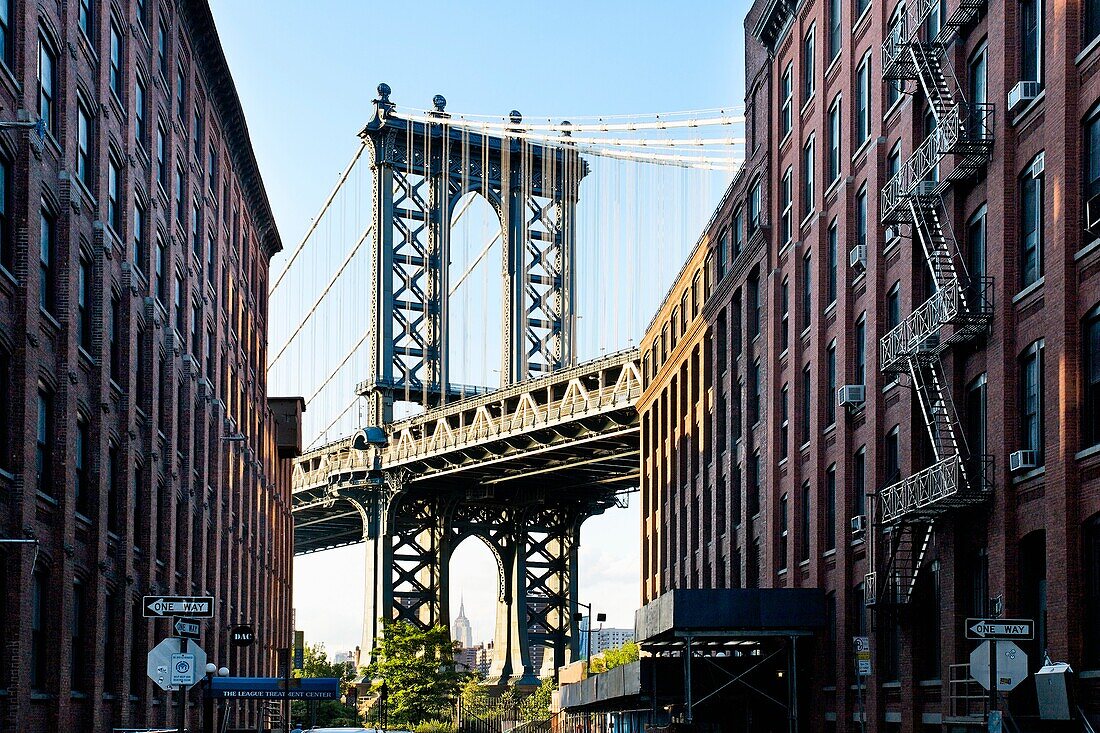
(161, 665)
(1000, 628)
(275, 688)
(1011, 664)
(186, 606)
(187, 629)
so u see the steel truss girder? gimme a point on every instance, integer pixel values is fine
(421, 171)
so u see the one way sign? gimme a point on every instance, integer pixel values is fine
(1000, 628)
(185, 606)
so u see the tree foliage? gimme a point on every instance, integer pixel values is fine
(417, 666)
(536, 706)
(612, 658)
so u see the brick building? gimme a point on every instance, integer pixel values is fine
(138, 447)
(890, 389)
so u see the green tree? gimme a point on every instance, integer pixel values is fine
(536, 706)
(475, 697)
(315, 663)
(612, 658)
(418, 668)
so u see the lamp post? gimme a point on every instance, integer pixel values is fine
(383, 694)
(578, 617)
(212, 670)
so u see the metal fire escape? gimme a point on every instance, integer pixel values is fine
(960, 307)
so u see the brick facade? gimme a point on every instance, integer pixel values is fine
(163, 470)
(1032, 545)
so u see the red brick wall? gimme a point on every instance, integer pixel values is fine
(202, 516)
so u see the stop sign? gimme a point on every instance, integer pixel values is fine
(1011, 665)
(159, 660)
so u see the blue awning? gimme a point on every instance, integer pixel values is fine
(275, 688)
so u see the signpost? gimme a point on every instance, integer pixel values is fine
(187, 629)
(863, 669)
(1008, 629)
(185, 606)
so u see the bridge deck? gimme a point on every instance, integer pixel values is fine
(573, 433)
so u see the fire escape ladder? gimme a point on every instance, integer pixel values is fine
(940, 417)
(909, 543)
(940, 248)
(928, 61)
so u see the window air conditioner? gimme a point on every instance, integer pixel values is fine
(1092, 215)
(1023, 93)
(859, 523)
(857, 258)
(851, 395)
(1022, 460)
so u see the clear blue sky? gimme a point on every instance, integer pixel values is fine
(306, 74)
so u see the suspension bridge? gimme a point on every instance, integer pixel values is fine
(394, 347)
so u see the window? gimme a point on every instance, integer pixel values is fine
(198, 134)
(6, 415)
(835, 39)
(82, 486)
(84, 304)
(756, 482)
(140, 128)
(722, 259)
(1090, 545)
(47, 86)
(162, 48)
(975, 243)
(754, 304)
(979, 92)
(804, 534)
(863, 101)
(196, 230)
(835, 136)
(808, 65)
(114, 330)
(785, 315)
(786, 102)
(756, 387)
(181, 212)
(84, 145)
(115, 77)
(755, 203)
(830, 384)
(211, 255)
(897, 38)
(1090, 358)
(893, 307)
(808, 177)
(116, 480)
(804, 412)
(47, 263)
(861, 5)
(1031, 40)
(786, 227)
(738, 230)
(860, 339)
(39, 655)
(1031, 223)
(162, 157)
(7, 246)
(892, 456)
(783, 532)
(859, 482)
(140, 12)
(1092, 21)
(141, 242)
(975, 415)
(1031, 400)
(1091, 147)
(44, 442)
(831, 245)
(114, 194)
(861, 216)
(6, 45)
(177, 301)
(784, 421)
(161, 282)
(181, 95)
(807, 291)
(212, 170)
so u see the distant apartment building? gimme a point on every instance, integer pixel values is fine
(139, 451)
(602, 639)
(877, 373)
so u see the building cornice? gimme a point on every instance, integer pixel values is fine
(210, 57)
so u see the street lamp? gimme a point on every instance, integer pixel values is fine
(383, 694)
(212, 670)
(578, 617)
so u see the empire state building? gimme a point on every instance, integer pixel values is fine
(462, 632)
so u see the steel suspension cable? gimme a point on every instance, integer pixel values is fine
(317, 219)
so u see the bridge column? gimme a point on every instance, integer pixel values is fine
(551, 541)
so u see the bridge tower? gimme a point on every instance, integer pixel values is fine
(422, 169)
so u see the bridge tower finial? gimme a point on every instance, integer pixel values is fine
(383, 104)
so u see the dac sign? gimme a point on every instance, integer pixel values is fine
(242, 635)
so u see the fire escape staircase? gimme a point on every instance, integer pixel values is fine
(958, 311)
